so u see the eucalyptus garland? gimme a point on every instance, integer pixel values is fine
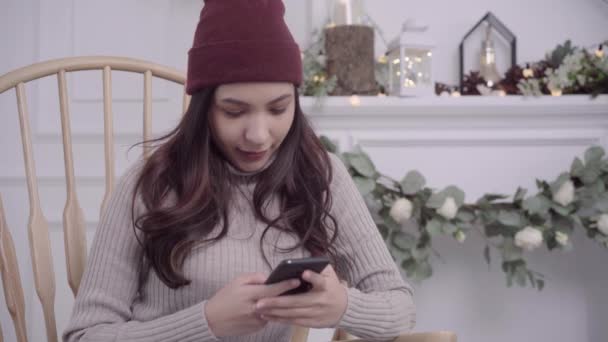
(409, 214)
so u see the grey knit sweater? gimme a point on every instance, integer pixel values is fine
(107, 306)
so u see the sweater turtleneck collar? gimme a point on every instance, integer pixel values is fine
(249, 175)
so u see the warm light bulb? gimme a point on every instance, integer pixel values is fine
(455, 93)
(528, 72)
(600, 51)
(355, 101)
(556, 92)
(382, 59)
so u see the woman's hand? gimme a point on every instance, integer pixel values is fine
(231, 311)
(321, 307)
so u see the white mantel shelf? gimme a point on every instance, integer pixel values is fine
(382, 114)
(376, 112)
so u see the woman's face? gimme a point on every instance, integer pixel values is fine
(250, 120)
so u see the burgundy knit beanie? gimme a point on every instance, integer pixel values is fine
(242, 41)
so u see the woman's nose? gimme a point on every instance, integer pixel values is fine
(257, 132)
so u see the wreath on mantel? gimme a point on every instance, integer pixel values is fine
(409, 215)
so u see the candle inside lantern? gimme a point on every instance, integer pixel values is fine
(345, 11)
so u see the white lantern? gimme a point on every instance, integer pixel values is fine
(410, 59)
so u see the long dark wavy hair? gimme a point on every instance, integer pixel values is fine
(185, 189)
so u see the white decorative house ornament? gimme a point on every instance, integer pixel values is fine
(410, 59)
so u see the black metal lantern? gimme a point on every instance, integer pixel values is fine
(493, 23)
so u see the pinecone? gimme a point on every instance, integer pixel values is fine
(470, 82)
(512, 78)
(441, 87)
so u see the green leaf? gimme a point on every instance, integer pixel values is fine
(409, 265)
(538, 204)
(564, 211)
(424, 270)
(486, 255)
(577, 223)
(510, 252)
(436, 200)
(562, 224)
(540, 284)
(433, 227)
(456, 193)
(364, 185)
(594, 154)
(449, 228)
(328, 144)
(404, 241)
(494, 229)
(510, 218)
(390, 223)
(519, 194)
(420, 253)
(601, 203)
(361, 163)
(520, 277)
(489, 198)
(465, 215)
(559, 181)
(591, 172)
(412, 182)
(577, 167)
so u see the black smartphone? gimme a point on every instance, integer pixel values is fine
(293, 268)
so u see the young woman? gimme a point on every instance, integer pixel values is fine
(190, 235)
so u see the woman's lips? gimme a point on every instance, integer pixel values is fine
(252, 156)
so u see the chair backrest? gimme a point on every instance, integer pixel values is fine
(73, 217)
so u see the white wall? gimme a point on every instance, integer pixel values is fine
(462, 295)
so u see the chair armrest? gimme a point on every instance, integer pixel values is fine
(438, 336)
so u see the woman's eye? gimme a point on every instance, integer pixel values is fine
(278, 111)
(233, 113)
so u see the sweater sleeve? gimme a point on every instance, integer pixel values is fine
(380, 304)
(102, 310)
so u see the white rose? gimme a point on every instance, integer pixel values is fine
(565, 194)
(448, 209)
(401, 210)
(561, 238)
(602, 224)
(529, 238)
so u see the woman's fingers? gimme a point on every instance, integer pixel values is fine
(252, 278)
(293, 301)
(317, 280)
(307, 312)
(274, 290)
